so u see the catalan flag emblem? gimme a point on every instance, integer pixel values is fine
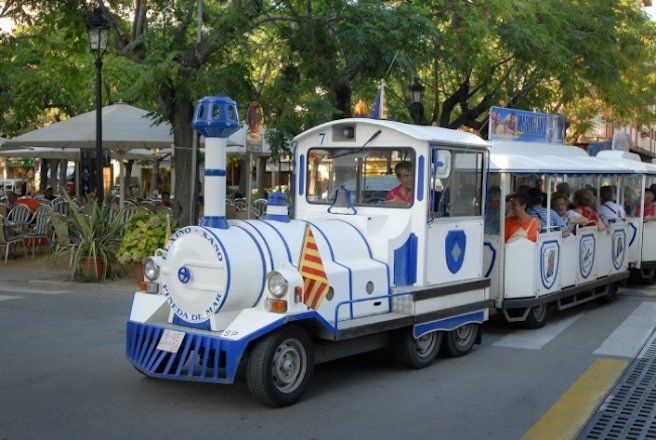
(311, 268)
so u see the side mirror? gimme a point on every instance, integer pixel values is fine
(443, 164)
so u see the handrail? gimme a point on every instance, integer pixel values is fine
(372, 298)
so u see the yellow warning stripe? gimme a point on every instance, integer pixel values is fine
(569, 414)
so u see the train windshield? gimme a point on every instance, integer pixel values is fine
(374, 177)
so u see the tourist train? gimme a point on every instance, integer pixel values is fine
(389, 246)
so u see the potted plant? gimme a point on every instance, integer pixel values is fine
(96, 233)
(145, 232)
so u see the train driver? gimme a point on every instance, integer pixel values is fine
(402, 194)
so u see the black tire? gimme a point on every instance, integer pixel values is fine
(643, 276)
(280, 367)
(415, 353)
(537, 316)
(460, 341)
(611, 294)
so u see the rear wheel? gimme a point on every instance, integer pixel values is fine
(537, 316)
(280, 367)
(460, 341)
(416, 353)
(611, 293)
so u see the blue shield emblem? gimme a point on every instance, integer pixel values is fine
(455, 245)
(549, 263)
(586, 254)
(619, 246)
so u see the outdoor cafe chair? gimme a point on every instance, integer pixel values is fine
(40, 226)
(240, 204)
(260, 206)
(246, 214)
(59, 205)
(7, 239)
(62, 236)
(18, 218)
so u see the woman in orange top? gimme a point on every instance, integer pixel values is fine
(520, 224)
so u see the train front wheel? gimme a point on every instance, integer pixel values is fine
(280, 367)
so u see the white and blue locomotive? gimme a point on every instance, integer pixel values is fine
(230, 294)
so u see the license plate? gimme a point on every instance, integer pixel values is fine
(170, 341)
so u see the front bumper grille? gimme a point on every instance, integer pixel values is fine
(201, 357)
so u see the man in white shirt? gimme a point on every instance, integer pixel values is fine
(609, 211)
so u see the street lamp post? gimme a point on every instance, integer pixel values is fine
(417, 90)
(98, 29)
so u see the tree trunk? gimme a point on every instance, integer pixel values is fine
(244, 175)
(128, 177)
(182, 115)
(261, 171)
(154, 174)
(43, 175)
(63, 171)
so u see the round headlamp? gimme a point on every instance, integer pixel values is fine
(277, 284)
(151, 269)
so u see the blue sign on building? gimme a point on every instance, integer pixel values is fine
(520, 125)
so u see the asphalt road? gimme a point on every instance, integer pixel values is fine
(63, 375)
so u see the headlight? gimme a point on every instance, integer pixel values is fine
(277, 284)
(151, 269)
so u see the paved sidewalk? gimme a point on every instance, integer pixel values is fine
(27, 274)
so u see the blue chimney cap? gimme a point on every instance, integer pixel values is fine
(216, 116)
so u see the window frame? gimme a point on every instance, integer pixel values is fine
(484, 154)
(412, 158)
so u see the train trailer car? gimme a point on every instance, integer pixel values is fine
(378, 254)
(563, 266)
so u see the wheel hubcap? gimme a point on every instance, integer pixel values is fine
(425, 344)
(464, 334)
(289, 365)
(539, 311)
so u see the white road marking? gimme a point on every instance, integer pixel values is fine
(536, 339)
(627, 339)
(6, 297)
(14, 289)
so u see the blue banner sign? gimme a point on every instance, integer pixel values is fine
(520, 125)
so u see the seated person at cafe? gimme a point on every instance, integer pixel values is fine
(402, 194)
(49, 194)
(166, 199)
(520, 224)
(609, 211)
(543, 214)
(12, 199)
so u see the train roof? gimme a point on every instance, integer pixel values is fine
(417, 132)
(628, 159)
(541, 157)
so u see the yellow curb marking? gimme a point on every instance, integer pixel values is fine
(569, 414)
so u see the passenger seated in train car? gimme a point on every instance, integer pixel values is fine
(543, 214)
(564, 189)
(584, 199)
(569, 216)
(649, 207)
(493, 217)
(520, 224)
(609, 211)
(402, 194)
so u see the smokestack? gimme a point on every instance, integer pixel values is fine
(215, 117)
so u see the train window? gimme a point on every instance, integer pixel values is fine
(632, 193)
(369, 175)
(460, 192)
(493, 210)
